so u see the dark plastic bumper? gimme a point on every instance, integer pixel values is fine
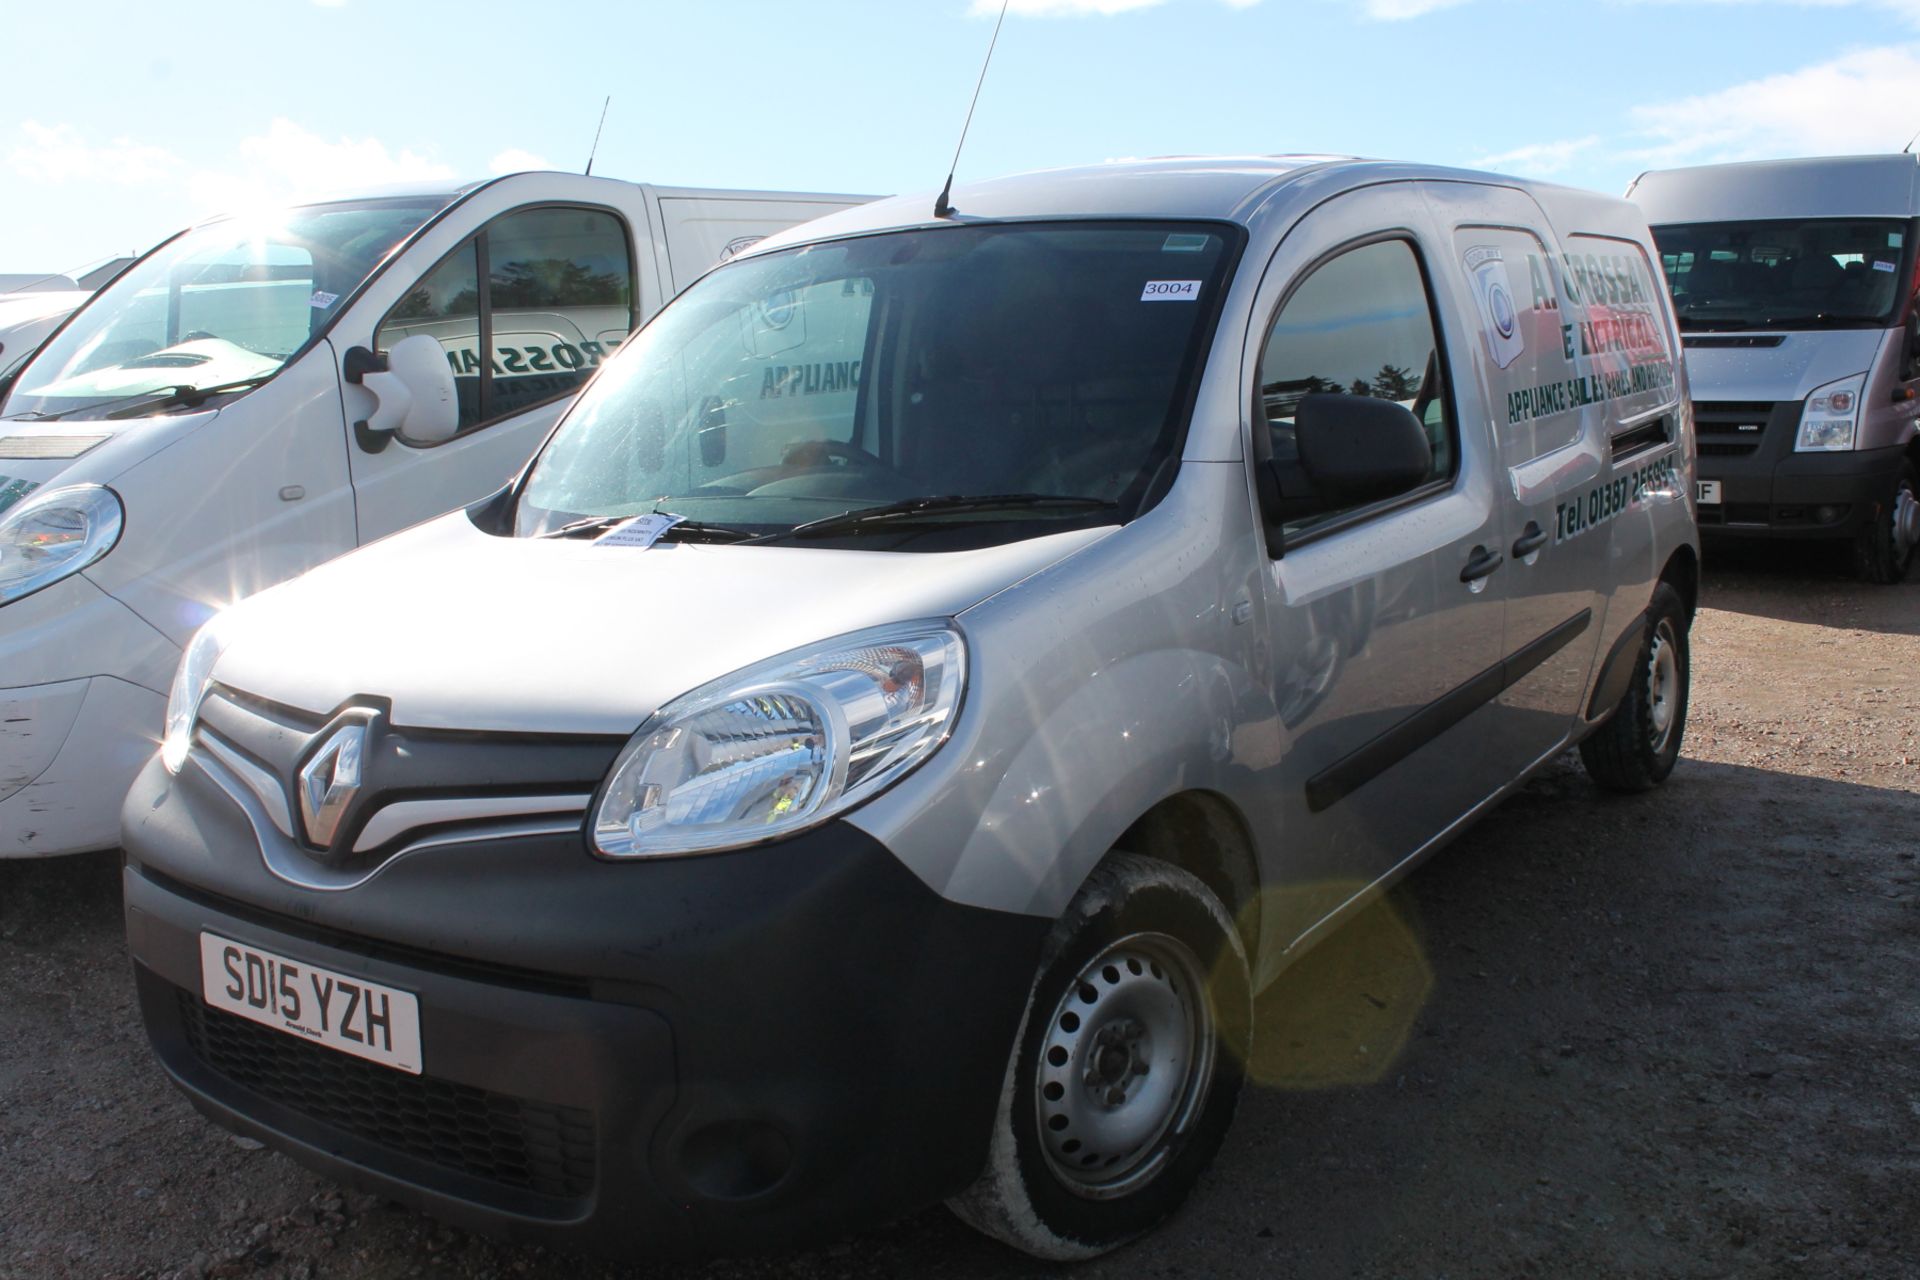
(1778, 493)
(685, 1056)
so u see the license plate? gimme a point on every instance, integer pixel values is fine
(350, 1014)
(1707, 491)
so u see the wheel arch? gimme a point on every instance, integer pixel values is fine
(1682, 573)
(1206, 835)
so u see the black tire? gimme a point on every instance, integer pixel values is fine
(1131, 910)
(1883, 549)
(1636, 749)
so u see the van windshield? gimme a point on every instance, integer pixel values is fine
(1016, 377)
(224, 305)
(1828, 273)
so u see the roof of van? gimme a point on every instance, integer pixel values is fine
(1228, 188)
(1824, 187)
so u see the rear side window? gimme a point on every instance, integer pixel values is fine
(1360, 324)
(546, 293)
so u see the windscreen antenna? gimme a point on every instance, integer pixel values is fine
(596, 134)
(1910, 141)
(942, 206)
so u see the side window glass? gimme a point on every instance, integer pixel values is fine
(1361, 324)
(525, 311)
(446, 305)
(561, 298)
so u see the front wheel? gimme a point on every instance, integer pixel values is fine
(1884, 548)
(1639, 746)
(1126, 1070)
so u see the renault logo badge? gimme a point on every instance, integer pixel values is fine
(331, 778)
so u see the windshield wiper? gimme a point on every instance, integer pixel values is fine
(910, 509)
(167, 397)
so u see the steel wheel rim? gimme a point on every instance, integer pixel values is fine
(1906, 522)
(1125, 1065)
(1663, 684)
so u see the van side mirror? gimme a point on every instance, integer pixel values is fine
(1358, 449)
(414, 392)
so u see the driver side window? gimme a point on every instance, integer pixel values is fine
(546, 294)
(1360, 324)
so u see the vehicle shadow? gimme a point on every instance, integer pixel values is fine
(1808, 582)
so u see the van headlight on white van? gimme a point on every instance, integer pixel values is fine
(190, 685)
(1827, 419)
(783, 745)
(54, 534)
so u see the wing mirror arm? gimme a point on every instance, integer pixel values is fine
(414, 392)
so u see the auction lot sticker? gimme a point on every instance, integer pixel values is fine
(351, 1015)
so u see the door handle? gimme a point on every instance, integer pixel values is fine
(1483, 562)
(1531, 539)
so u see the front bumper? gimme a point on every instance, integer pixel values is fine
(1768, 490)
(696, 1055)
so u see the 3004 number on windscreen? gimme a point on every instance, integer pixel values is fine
(331, 1009)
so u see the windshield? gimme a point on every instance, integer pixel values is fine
(1029, 362)
(1830, 273)
(225, 303)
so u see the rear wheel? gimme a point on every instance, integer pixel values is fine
(1884, 548)
(1639, 746)
(1127, 1068)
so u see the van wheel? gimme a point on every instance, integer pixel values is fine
(1126, 1070)
(1638, 747)
(1884, 548)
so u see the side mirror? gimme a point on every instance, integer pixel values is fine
(1358, 449)
(414, 393)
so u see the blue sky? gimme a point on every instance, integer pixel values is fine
(126, 120)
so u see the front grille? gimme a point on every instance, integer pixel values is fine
(1717, 426)
(508, 1141)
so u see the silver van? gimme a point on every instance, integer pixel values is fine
(934, 676)
(1794, 282)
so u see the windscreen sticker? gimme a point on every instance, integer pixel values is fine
(1605, 501)
(1171, 291)
(321, 299)
(1186, 242)
(1895, 239)
(1883, 266)
(1500, 320)
(11, 491)
(641, 531)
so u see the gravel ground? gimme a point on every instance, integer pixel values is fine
(1671, 1035)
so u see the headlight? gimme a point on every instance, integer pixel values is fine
(1826, 423)
(189, 687)
(784, 745)
(55, 533)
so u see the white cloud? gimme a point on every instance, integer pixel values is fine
(289, 162)
(59, 153)
(1401, 10)
(517, 160)
(1862, 101)
(1540, 158)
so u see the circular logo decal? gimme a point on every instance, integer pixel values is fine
(1502, 307)
(777, 309)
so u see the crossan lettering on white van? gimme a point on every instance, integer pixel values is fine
(809, 379)
(1611, 279)
(517, 361)
(1582, 389)
(1603, 502)
(11, 491)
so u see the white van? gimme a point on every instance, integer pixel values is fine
(258, 395)
(29, 317)
(937, 675)
(1795, 284)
